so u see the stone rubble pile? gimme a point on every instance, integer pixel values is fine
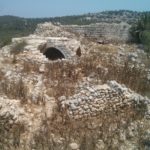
(33, 57)
(11, 108)
(91, 100)
(48, 29)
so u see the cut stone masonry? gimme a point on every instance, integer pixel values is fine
(102, 31)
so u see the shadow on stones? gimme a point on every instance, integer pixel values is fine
(53, 54)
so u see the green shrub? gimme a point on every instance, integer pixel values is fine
(5, 41)
(145, 39)
(140, 31)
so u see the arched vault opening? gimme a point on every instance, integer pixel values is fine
(53, 53)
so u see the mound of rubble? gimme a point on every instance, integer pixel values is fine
(91, 100)
(48, 29)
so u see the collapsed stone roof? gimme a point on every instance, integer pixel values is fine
(48, 29)
(36, 46)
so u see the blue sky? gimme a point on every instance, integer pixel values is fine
(51, 8)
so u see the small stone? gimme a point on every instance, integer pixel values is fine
(42, 68)
(91, 90)
(73, 107)
(74, 146)
(100, 145)
(91, 97)
(79, 100)
(62, 98)
(70, 113)
(86, 107)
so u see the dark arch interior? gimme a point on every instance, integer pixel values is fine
(53, 53)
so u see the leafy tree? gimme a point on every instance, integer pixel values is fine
(145, 39)
(140, 31)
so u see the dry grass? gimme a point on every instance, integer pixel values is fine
(14, 90)
(1, 75)
(65, 75)
(10, 133)
(58, 132)
(29, 67)
(85, 132)
(106, 48)
(133, 77)
(18, 47)
(62, 78)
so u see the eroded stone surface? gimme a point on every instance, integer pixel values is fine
(91, 100)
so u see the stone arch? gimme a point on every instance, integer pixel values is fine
(53, 53)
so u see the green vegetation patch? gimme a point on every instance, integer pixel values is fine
(140, 31)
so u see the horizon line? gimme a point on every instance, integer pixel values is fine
(80, 14)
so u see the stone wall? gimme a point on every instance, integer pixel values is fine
(91, 100)
(103, 31)
(111, 32)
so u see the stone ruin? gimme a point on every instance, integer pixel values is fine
(42, 49)
(60, 42)
(91, 100)
(110, 32)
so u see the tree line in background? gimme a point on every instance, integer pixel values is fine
(140, 31)
(11, 26)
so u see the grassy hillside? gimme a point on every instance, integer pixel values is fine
(11, 26)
